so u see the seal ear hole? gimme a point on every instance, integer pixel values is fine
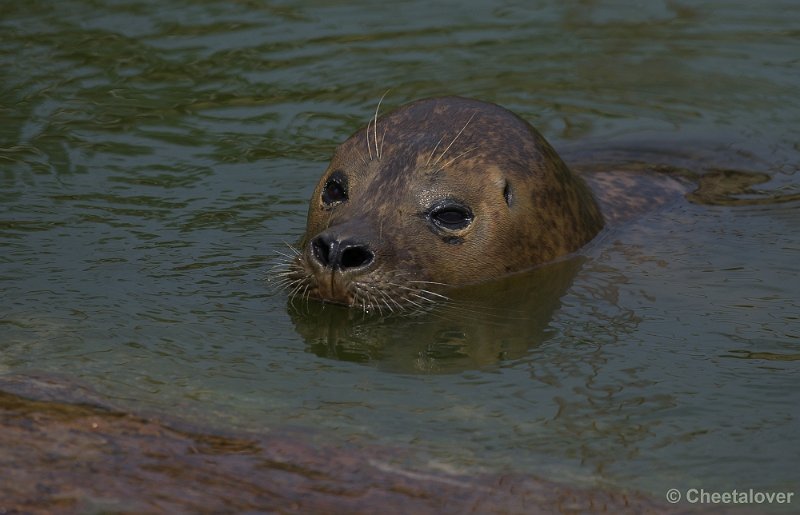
(507, 194)
(335, 189)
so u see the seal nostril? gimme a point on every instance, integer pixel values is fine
(356, 256)
(321, 246)
(330, 252)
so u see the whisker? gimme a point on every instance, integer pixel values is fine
(388, 299)
(386, 296)
(376, 304)
(399, 306)
(422, 297)
(454, 139)
(439, 295)
(359, 296)
(278, 270)
(457, 157)
(369, 149)
(414, 303)
(295, 290)
(287, 256)
(434, 151)
(418, 290)
(375, 126)
(292, 248)
(282, 282)
(281, 272)
(383, 140)
(428, 282)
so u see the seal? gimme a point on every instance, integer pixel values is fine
(440, 193)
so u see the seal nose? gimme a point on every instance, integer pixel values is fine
(331, 252)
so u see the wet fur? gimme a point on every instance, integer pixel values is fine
(401, 163)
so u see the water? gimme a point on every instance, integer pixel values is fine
(154, 156)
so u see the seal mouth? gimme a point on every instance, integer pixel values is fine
(332, 286)
(375, 290)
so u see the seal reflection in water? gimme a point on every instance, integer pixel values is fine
(439, 193)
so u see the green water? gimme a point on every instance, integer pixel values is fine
(154, 156)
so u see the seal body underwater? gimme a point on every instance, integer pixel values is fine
(439, 193)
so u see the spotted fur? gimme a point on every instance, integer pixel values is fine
(401, 164)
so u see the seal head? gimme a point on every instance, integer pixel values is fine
(439, 193)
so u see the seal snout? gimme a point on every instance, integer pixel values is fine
(336, 253)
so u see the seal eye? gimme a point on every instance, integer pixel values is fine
(335, 189)
(451, 216)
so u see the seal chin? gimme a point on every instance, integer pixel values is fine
(332, 286)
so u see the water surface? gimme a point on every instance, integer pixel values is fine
(155, 156)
